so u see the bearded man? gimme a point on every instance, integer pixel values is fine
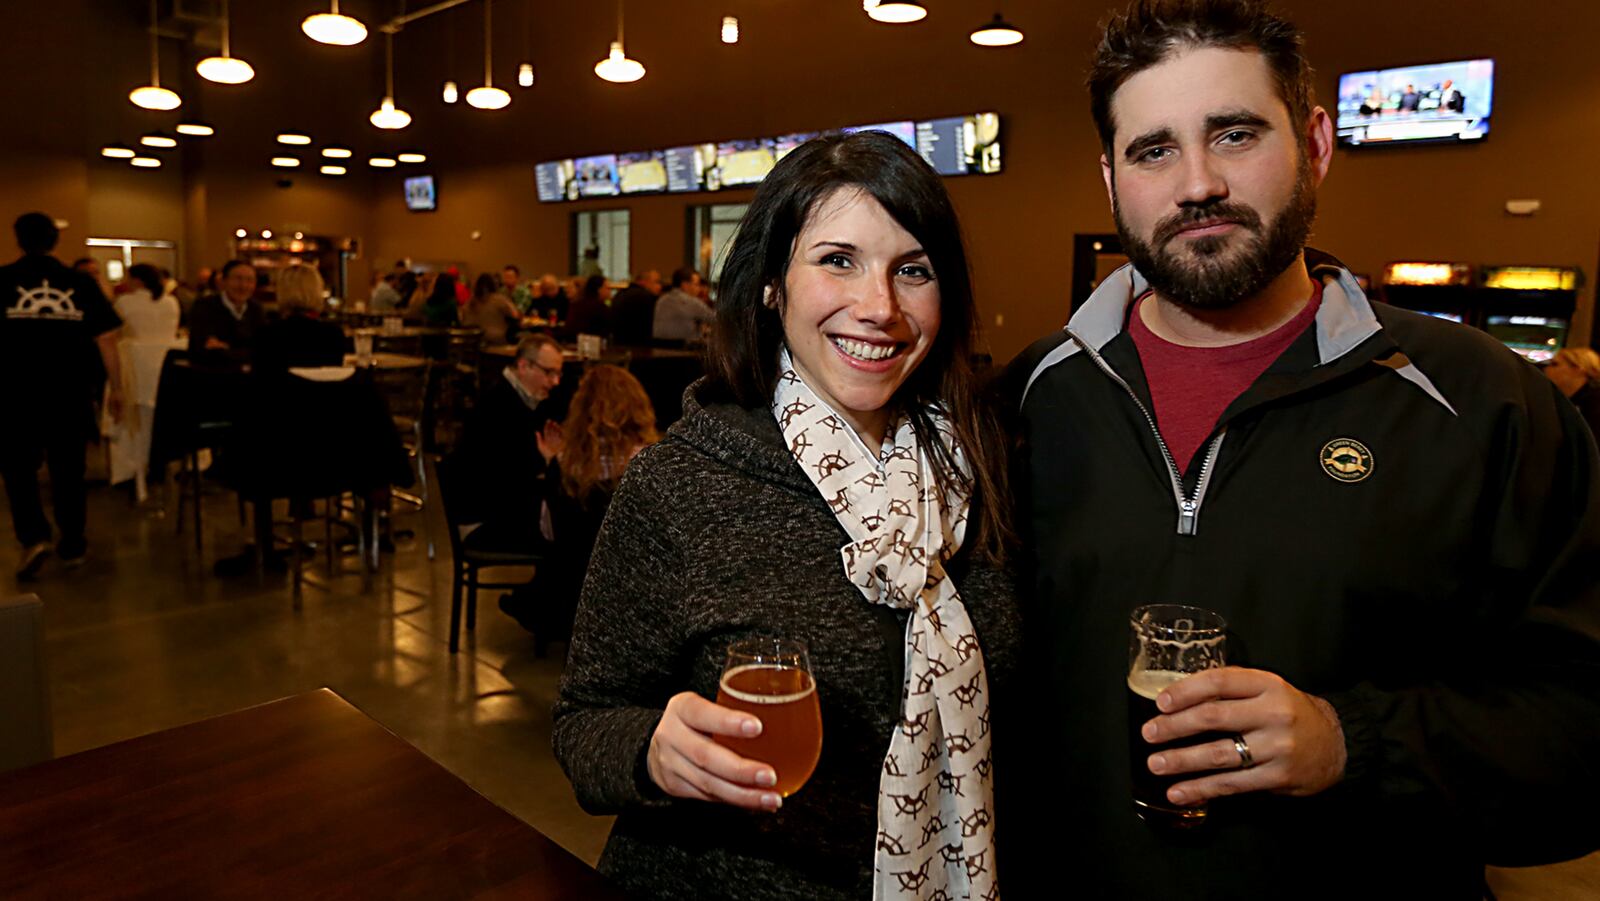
(1397, 517)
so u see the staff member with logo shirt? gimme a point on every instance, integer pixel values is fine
(1398, 518)
(51, 318)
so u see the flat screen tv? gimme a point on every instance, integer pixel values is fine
(905, 131)
(1535, 337)
(961, 145)
(742, 163)
(1436, 102)
(421, 194)
(596, 176)
(642, 173)
(553, 180)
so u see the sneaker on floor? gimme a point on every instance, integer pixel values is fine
(33, 558)
(72, 553)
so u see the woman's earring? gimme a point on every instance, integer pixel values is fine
(769, 298)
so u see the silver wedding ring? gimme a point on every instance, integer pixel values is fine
(1245, 760)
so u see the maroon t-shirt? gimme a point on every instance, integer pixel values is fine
(1191, 386)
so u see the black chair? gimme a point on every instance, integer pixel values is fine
(308, 440)
(466, 561)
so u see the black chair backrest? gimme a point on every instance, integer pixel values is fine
(444, 485)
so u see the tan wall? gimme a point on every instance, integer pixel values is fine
(53, 185)
(1378, 205)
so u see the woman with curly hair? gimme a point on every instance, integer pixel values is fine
(609, 421)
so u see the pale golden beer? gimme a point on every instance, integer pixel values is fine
(771, 679)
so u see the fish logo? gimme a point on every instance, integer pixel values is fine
(1346, 460)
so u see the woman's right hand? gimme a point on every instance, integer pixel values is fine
(686, 763)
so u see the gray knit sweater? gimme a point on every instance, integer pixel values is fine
(716, 534)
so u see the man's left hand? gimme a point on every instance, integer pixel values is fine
(1294, 739)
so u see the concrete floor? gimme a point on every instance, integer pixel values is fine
(144, 638)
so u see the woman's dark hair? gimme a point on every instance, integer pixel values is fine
(485, 285)
(742, 360)
(150, 277)
(591, 288)
(444, 289)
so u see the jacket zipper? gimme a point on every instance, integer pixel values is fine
(1188, 504)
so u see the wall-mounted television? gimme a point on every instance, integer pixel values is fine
(553, 180)
(905, 131)
(421, 194)
(642, 173)
(1435, 102)
(596, 176)
(961, 145)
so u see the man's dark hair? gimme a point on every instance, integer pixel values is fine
(1149, 32)
(512, 267)
(683, 275)
(81, 260)
(150, 277)
(232, 265)
(742, 359)
(36, 233)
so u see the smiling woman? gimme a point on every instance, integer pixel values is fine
(835, 482)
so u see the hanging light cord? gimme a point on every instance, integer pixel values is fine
(388, 65)
(155, 60)
(488, 13)
(619, 21)
(225, 52)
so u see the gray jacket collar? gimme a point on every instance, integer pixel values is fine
(1343, 322)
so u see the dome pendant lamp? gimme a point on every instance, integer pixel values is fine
(387, 116)
(225, 69)
(617, 67)
(996, 33)
(334, 28)
(898, 12)
(153, 95)
(488, 96)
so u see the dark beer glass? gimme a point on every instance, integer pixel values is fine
(1167, 643)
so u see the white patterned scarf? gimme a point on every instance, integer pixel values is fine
(935, 797)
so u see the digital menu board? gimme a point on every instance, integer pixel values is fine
(742, 163)
(905, 131)
(955, 145)
(552, 179)
(596, 176)
(642, 173)
(961, 145)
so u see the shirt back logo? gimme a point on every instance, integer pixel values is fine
(1346, 460)
(44, 302)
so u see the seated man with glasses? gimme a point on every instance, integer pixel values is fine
(506, 450)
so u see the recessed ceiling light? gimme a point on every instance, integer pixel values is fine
(286, 162)
(332, 170)
(293, 137)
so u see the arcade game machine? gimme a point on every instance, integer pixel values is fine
(1445, 290)
(1529, 308)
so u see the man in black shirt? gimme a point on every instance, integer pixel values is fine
(51, 318)
(225, 324)
(634, 309)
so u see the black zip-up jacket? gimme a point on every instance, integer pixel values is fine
(1400, 516)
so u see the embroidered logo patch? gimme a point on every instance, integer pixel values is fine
(1346, 460)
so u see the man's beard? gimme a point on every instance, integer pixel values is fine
(1217, 279)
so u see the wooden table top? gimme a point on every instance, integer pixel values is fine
(302, 797)
(382, 360)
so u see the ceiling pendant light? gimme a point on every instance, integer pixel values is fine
(488, 96)
(996, 33)
(411, 156)
(153, 95)
(617, 67)
(158, 139)
(146, 162)
(117, 151)
(898, 12)
(195, 128)
(386, 116)
(333, 28)
(225, 69)
(730, 30)
(525, 75)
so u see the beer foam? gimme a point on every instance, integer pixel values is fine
(1149, 683)
(752, 698)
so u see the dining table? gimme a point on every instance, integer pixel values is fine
(305, 796)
